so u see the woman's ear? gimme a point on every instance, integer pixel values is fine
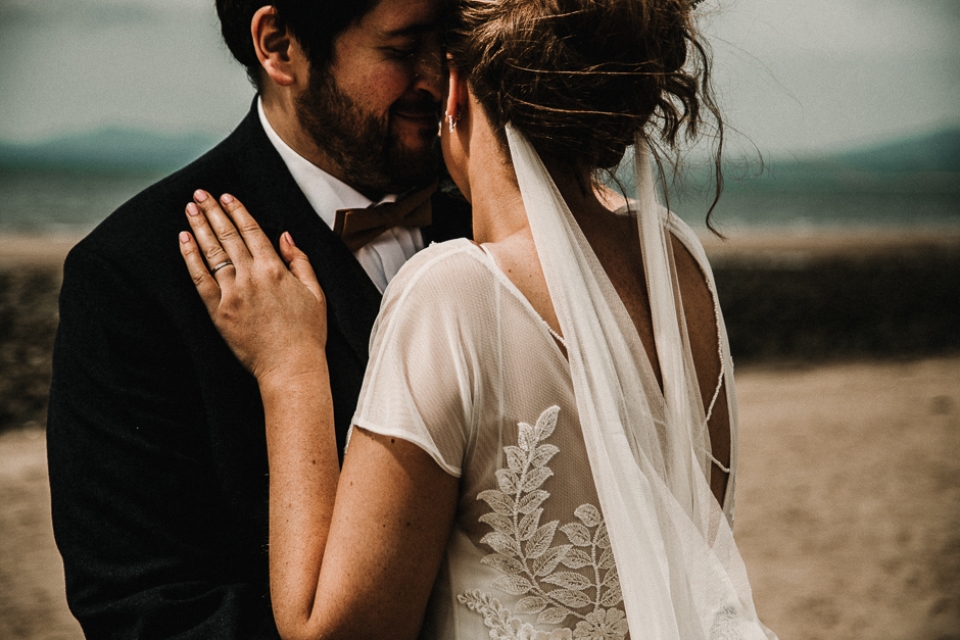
(456, 102)
(275, 48)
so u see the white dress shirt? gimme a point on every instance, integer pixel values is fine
(384, 255)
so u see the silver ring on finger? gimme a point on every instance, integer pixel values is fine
(225, 263)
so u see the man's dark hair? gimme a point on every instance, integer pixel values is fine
(315, 24)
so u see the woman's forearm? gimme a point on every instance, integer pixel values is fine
(304, 472)
(383, 544)
(385, 541)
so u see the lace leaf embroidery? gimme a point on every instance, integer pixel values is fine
(576, 559)
(569, 580)
(525, 553)
(505, 626)
(588, 515)
(546, 563)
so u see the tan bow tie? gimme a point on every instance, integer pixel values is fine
(357, 227)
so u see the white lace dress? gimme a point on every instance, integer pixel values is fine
(462, 366)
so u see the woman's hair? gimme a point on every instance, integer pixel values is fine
(581, 78)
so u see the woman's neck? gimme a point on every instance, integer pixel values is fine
(498, 211)
(493, 189)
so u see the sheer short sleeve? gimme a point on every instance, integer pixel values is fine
(424, 373)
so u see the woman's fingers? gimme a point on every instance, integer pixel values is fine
(206, 240)
(299, 265)
(216, 232)
(255, 239)
(206, 284)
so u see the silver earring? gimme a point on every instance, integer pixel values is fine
(452, 121)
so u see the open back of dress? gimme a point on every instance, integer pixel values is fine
(584, 510)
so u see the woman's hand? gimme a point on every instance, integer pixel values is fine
(271, 312)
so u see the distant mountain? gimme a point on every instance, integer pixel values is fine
(938, 151)
(928, 163)
(108, 150)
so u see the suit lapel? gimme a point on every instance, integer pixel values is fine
(277, 203)
(352, 298)
(451, 215)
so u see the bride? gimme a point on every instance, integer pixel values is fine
(545, 442)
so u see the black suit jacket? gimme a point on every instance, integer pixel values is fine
(156, 443)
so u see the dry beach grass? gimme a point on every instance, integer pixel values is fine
(848, 508)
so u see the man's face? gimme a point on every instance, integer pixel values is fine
(376, 109)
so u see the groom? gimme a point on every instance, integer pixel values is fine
(156, 445)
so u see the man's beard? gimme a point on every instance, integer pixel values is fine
(361, 144)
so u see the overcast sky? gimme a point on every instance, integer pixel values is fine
(795, 76)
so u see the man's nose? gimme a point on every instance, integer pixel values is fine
(430, 71)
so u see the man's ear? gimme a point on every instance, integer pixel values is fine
(278, 52)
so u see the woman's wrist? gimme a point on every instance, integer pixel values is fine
(294, 372)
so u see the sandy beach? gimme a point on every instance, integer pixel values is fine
(848, 506)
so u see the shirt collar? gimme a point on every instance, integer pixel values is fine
(324, 192)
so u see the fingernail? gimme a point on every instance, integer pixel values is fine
(226, 198)
(192, 209)
(200, 195)
(184, 237)
(286, 234)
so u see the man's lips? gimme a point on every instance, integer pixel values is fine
(420, 116)
(419, 112)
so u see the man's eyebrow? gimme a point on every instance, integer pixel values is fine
(417, 29)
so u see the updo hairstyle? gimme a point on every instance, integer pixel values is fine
(580, 78)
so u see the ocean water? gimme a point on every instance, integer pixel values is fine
(811, 210)
(74, 202)
(63, 202)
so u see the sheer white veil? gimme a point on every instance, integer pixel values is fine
(679, 569)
